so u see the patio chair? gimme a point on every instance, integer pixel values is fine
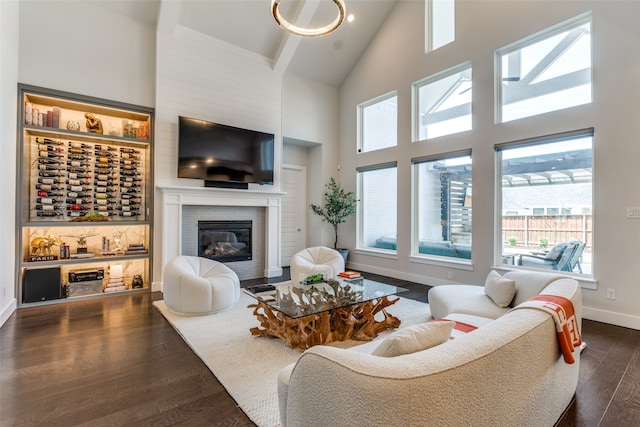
(556, 259)
(574, 261)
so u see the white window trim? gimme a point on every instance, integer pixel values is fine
(359, 119)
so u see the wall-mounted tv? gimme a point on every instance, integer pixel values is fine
(224, 156)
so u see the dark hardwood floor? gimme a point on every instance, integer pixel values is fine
(117, 362)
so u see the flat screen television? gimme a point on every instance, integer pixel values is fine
(224, 156)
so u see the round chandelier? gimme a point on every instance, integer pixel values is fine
(308, 32)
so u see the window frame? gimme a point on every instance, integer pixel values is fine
(360, 247)
(360, 121)
(587, 280)
(545, 34)
(415, 255)
(415, 99)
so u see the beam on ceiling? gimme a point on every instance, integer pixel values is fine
(290, 42)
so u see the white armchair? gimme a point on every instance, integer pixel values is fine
(318, 259)
(195, 286)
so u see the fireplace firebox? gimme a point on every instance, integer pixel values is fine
(225, 241)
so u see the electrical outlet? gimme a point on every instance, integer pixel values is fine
(611, 293)
(633, 213)
(449, 275)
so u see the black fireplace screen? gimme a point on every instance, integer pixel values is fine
(224, 241)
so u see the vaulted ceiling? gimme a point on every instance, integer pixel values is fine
(248, 24)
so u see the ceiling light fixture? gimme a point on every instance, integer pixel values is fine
(308, 32)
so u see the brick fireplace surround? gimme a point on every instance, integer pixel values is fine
(173, 199)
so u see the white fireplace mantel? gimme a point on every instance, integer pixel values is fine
(173, 198)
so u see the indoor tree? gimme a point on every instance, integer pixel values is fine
(338, 205)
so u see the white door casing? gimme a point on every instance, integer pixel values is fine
(294, 204)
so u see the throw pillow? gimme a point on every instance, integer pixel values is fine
(555, 252)
(414, 338)
(500, 289)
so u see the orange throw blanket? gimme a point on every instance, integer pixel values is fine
(561, 309)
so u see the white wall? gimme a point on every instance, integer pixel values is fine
(310, 113)
(395, 59)
(9, 17)
(82, 48)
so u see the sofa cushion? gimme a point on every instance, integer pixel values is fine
(414, 338)
(467, 299)
(500, 289)
(529, 283)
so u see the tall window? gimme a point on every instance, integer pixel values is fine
(377, 210)
(378, 123)
(546, 72)
(546, 201)
(443, 206)
(442, 103)
(440, 28)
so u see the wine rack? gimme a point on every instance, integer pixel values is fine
(85, 190)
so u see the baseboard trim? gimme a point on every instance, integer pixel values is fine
(612, 318)
(8, 310)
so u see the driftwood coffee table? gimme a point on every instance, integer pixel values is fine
(307, 315)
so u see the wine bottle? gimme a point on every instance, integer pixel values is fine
(77, 163)
(104, 190)
(50, 141)
(130, 179)
(50, 167)
(77, 151)
(77, 188)
(75, 175)
(102, 208)
(74, 144)
(75, 194)
(129, 213)
(127, 162)
(130, 208)
(78, 201)
(104, 177)
(75, 182)
(42, 193)
(50, 154)
(103, 202)
(47, 161)
(75, 214)
(77, 208)
(103, 159)
(103, 166)
(129, 150)
(49, 213)
(105, 148)
(48, 187)
(42, 147)
(48, 200)
(49, 174)
(48, 180)
(48, 208)
(74, 169)
(77, 157)
(129, 173)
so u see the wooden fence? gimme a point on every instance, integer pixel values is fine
(529, 229)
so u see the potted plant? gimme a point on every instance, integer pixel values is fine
(339, 204)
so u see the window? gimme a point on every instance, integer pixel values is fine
(443, 206)
(378, 121)
(442, 103)
(440, 28)
(546, 72)
(377, 210)
(555, 175)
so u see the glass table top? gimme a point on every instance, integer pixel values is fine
(299, 300)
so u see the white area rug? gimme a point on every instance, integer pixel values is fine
(248, 366)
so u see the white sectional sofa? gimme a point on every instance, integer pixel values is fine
(508, 372)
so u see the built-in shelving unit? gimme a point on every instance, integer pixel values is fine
(84, 196)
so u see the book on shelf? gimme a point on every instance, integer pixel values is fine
(82, 255)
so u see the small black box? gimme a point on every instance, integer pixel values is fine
(41, 284)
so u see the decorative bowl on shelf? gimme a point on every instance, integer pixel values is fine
(73, 125)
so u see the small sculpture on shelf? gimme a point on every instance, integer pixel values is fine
(42, 245)
(94, 124)
(73, 125)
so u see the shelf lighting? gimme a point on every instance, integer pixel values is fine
(309, 32)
